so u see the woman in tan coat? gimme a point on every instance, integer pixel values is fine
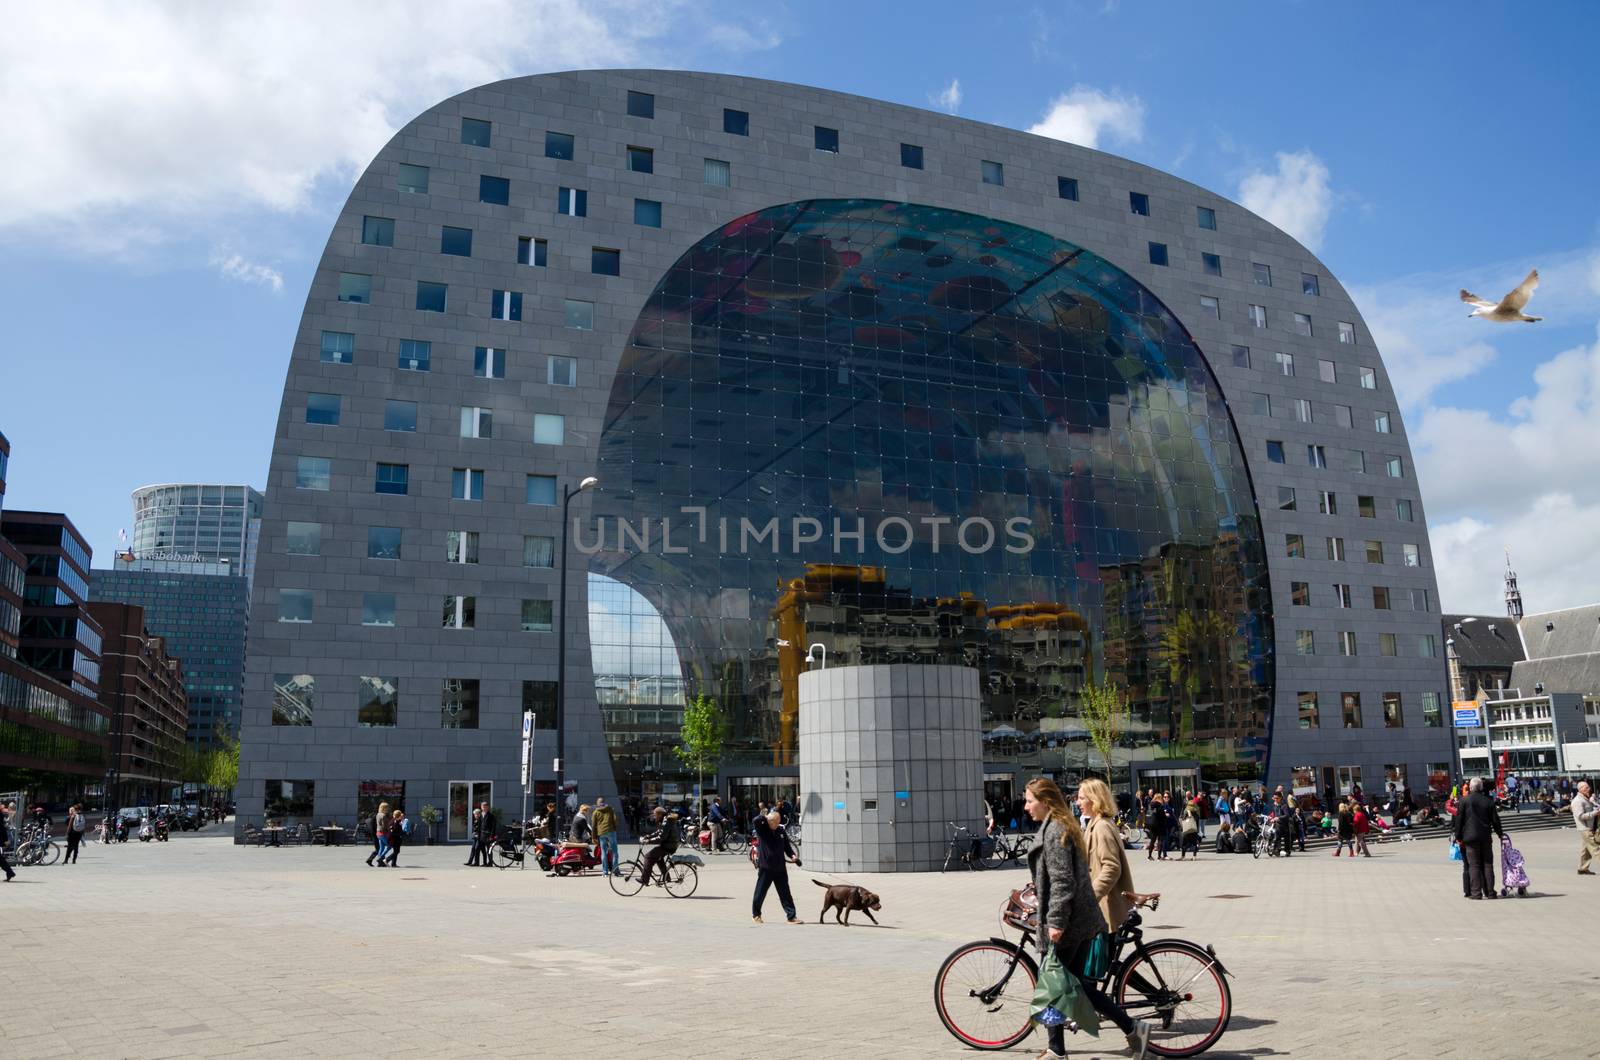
(1108, 862)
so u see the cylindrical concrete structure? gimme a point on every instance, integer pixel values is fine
(889, 756)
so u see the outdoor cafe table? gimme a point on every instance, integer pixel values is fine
(274, 834)
(332, 835)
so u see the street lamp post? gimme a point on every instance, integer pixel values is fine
(567, 493)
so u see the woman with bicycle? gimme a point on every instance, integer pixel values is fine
(1069, 915)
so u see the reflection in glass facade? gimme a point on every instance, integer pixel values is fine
(913, 434)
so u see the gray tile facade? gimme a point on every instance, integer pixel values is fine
(776, 163)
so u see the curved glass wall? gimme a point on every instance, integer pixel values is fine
(912, 434)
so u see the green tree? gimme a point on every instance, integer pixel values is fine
(1106, 714)
(223, 771)
(702, 736)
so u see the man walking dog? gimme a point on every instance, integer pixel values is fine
(773, 850)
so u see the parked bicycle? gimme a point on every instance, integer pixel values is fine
(966, 848)
(680, 880)
(35, 848)
(733, 840)
(1009, 847)
(984, 990)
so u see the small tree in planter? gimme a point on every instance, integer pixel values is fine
(430, 816)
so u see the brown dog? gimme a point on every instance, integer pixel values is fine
(848, 898)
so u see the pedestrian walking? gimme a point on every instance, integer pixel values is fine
(1476, 822)
(399, 828)
(1109, 872)
(380, 829)
(6, 810)
(773, 853)
(1586, 815)
(485, 835)
(605, 833)
(1361, 821)
(1189, 831)
(1069, 916)
(1155, 828)
(1224, 808)
(475, 833)
(76, 826)
(1347, 830)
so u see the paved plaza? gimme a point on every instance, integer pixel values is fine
(200, 948)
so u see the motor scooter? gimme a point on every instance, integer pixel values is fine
(146, 832)
(566, 860)
(162, 830)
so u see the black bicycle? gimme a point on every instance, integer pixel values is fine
(966, 848)
(1009, 847)
(984, 990)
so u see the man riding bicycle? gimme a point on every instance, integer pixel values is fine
(666, 843)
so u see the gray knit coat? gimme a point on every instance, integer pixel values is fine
(1066, 894)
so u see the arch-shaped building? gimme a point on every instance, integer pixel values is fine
(909, 386)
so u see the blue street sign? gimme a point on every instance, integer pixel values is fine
(1468, 718)
(902, 794)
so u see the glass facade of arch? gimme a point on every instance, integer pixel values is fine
(912, 434)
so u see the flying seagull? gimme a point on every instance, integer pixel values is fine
(1508, 308)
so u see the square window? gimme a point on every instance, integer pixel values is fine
(416, 355)
(1211, 263)
(461, 546)
(1419, 600)
(355, 287)
(1347, 643)
(313, 473)
(1427, 646)
(1258, 316)
(1158, 253)
(578, 314)
(377, 702)
(992, 172)
(505, 305)
(605, 262)
(377, 231)
(456, 241)
(718, 173)
(1305, 642)
(549, 429)
(1294, 546)
(1336, 549)
(1262, 273)
(1351, 702)
(1374, 551)
(1261, 405)
(1067, 188)
(539, 699)
(1343, 416)
(531, 251)
(289, 798)
(647, 212)
(1241, 357)
(538, 550)
(1341, 596)
(1275, 452)
(383, 542)
(1327, 503)
(475, 132)
(1392, 712)
(1302, 410)
(496, 191)
(911, 156)
(1206, 217)
(431, 296)
(1310, 717)
(1309, 285)
(641, 160)
(562, 371)
(394, 479)
(294, 699)
(458, 704)
(1286, 499)
(1433, 719)
(1380, 598)
(1347, 333)
(1393, 467)
(488, 362)
(825, 139)
(1402, 510)
(1285, 363)
(574, 202)
(377, 609)
(541, 489)
(1367, 507)
(322, 409)
(338, 347)
(1411, 555)
(1210, 305)
(641, 104)
(412, 179)
(736, 122)
(400, 416)
(295, 605)
(1302, 324)
(538, 616)
(1139, 203)
(1380, 422)
(1327, 371)
(466, 484)
(304, 539)
(1300, 594)
(477, 422)
(1369, 379)
(1317, 456)
(460, 612)
(559, 145)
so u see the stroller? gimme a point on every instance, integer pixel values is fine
(1513, 872)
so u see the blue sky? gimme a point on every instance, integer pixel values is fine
(176, 170)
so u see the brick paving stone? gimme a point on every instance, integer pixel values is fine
(214, 950)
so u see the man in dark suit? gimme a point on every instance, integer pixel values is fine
(486, 833)
(1477, 822)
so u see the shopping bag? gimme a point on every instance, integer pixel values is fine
(1057, 999)
(1096, 958)
(1455, 850)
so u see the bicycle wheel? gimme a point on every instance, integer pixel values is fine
(735, 842)
(49, 853)
(626, 881)
(1000, 852)
(983, 991)
(682, 880)
(1255, 849)
(1179, 988)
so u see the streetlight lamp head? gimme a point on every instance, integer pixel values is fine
(588, 483)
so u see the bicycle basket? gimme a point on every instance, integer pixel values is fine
(1021, 909)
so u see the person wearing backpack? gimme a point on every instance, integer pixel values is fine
(76, 826)
(399, 832)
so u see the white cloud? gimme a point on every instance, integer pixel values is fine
(237, 267)
(1296, 197)
(165, 117)
(1083, 115)
(948, 99)
(1552, 551)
